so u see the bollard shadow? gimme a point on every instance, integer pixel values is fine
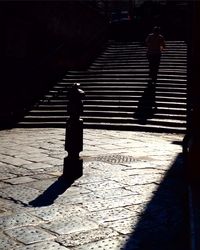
(164, 223)
(147, 105)
(51, 194)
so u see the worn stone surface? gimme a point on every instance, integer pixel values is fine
(71, 225)
(18, 220)
(7, 243)
(132, 193)
(49, 245)
(85, 237)
(29, 235)
(19, 193)
(56, 212)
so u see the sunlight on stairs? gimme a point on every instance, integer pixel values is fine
(117, 92)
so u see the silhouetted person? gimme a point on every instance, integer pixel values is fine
(146, 105)
(155, 43)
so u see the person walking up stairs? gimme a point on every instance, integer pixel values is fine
(155, 43)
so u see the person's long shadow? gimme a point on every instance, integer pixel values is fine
(147, 105)
(51, 194)
(164, 224)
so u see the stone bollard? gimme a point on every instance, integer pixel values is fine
(73, 164)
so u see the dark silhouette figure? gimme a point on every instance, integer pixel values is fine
(73, 164)
(146, 106)
(155, 43)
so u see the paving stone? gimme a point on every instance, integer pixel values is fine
(108, 201)
(44, 176)
(147, 162)
(20, 180)
(59, 153)
(125, 226)
(88, 171)
(9, 207)
(25, 147)
(71, 225)
(15, 170)
(48, 170)
(98, 204)
(5, 176)
(2, 212)
(76, 190)
(108, 166)
(84, 237)
(102, 185)
(36, 157)
(53, 172)
(111, 215)
(52, 161)
(108, 244)
(148, 170)
(4, 185)
(50, 245)
(144, 189)
(6, 151)
(50, 158)
(114, 192)
(55, 212)
(19, 193)
(42, 184)
(29, 235)
(13, 160)
(140, 179)
(37, 165)
(6, 243)
(48, 146)
(90, 179)
(17, 220)
(76, 199)
(52, 183)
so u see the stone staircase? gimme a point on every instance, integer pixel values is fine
(118, 95)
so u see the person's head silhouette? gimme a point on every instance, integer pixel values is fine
(156, 30)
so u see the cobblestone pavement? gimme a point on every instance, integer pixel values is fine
(131, 196)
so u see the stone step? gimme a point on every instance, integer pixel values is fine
(131, 69)
(141, 62)
(139, 48)
(63, 106)
(90, 95)
(121, 120)
(119, 103)
(116, 88)
(62, 112)
(121, 79)
(164, 59)
(115, 126)
(136, 127)
(163, 109)
(138, 69)
(61, 86)
(130, 43)
(131, 55)
(53, 98)
(118, 94)
(115, 85)
(127, 73)
(161, 93)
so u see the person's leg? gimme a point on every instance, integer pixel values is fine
(155, 67)
(151, 67)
